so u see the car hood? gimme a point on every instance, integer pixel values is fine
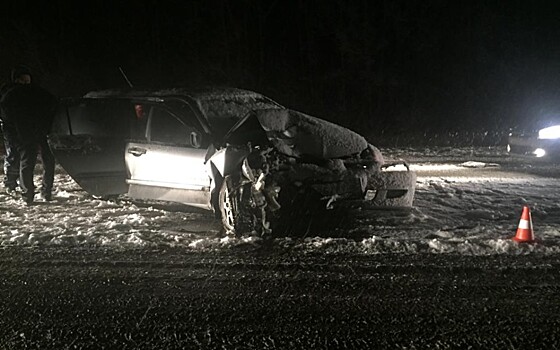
(299, 135)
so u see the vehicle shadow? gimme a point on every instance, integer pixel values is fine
(352, 220)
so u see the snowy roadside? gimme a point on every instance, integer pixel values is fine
(468, 201)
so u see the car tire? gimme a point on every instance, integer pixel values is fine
(299, 212)
(514, 149)
(239, 214)
(228, 205)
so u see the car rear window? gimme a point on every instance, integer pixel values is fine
(104, 118)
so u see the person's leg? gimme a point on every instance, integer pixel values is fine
(48, 170)
(28, 159)
(11, 159)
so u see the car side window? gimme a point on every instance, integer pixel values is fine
(139, 123)
(97, 118)
(166, 128)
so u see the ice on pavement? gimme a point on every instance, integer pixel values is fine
(468, 201)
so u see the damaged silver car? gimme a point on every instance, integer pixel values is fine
(235, 152)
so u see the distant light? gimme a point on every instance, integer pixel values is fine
(508, 148)
(550, 133)
(539, 152)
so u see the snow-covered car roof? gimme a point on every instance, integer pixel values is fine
(222, 107)
(202, 92)
(294, 133)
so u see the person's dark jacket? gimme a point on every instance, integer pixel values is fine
(3, 90)
(30, 109)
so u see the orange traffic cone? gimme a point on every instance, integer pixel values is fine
(525, 228)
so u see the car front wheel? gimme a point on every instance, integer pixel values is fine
(242, 208)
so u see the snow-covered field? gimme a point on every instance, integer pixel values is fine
(468, 201)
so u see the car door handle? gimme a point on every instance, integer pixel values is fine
(136, 151)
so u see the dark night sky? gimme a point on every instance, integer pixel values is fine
(374, 65)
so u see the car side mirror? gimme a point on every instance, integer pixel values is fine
(195, 139)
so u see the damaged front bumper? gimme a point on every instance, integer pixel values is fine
(384, 188)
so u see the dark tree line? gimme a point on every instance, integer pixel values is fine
(381, 67)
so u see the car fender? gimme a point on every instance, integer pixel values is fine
(227, 160)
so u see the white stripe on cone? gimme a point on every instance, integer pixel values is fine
(524, 224)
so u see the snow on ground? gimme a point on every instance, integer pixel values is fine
(468, 201)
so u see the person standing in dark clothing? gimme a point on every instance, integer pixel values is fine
(30, 110)
(19, 75)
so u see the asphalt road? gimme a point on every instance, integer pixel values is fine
(269, 298)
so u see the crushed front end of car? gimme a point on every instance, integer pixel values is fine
(295, 163)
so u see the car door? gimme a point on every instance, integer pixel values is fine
(88, 139)
(168, 161)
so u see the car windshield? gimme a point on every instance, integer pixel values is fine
(223, 110)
